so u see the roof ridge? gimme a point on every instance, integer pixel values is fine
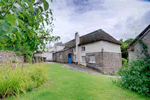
(91, 32)
(139, 35)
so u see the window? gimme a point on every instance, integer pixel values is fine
(91, 59)
(82, 48)
(83, 58)
(60, 55)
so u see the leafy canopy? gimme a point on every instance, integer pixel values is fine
(22, 25)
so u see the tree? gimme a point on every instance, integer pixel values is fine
(22, 25)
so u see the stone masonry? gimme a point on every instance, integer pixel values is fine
(105, 61)
(64, 54)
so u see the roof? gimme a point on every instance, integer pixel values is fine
(140, 35)
(95, 36)
(64, 49)
(59, 44)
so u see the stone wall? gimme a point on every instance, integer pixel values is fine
(106, 61)
(58, 59)
(136, 47)
(112, 61)
(6, 57)
(98, 65)
(64, 54)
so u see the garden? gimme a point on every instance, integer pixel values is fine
(23, 32)
(63, 84)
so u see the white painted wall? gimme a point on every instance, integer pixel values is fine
(58, 48)
(48, 55)
(97, 47)
(38, 54)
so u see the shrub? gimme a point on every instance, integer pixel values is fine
(124, 61)
(18, 80)
(122, 69)
(137, 77)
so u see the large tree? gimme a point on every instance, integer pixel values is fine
(22, 25)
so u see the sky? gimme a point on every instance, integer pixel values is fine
(119, 18)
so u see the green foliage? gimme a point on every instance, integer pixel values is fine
(77, 85)
(124, 47)
(128, 41)
(124, 67)
(14, 82)
(22, 25)
(137, 76)
(124, 61)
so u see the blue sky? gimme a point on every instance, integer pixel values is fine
(119, 18)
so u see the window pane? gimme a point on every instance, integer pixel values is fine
(60, 56)
(92, 59)
(82, 48)
(83, 58)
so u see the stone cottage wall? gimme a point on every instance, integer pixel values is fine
(106, 61)
(58, 57)
(98, 65)
(112, 61)
(133, 54)
(64, 58)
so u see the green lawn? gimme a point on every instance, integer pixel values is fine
(74, 85)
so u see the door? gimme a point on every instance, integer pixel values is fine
(69, 58)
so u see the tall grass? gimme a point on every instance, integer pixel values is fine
(20, 80)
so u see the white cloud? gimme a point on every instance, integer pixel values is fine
(119, 18)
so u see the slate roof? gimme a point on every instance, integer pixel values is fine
(140, 35)
(59, 44)
(95, 36)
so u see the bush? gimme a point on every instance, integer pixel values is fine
(124, 61)
(18, 80)
(123, 68)
(137, 77)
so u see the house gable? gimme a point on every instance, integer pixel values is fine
(141, 35)
(134, 48)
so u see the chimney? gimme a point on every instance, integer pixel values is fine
(77, 40)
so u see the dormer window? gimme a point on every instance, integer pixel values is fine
(82, 48)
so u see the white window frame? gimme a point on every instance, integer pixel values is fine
(92, 61)
(82, 50)
(83, 60)
(60, 55)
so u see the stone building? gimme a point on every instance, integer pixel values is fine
(49, 51)
(134, 47)
(97, 50)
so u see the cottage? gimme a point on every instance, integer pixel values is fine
(134, 47)
(49, 51)
(97, 50)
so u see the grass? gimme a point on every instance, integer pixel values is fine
(75, 85)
